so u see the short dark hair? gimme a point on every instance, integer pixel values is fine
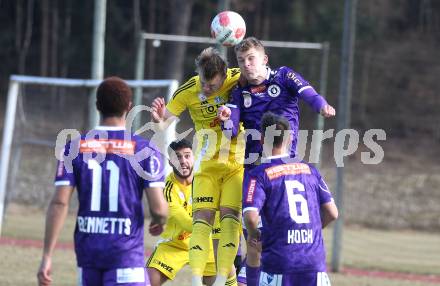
(178, 145)
(210, 63)
(280, 123)
(249, 43)
(113, 97)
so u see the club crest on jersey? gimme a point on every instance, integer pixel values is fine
(247, 100)
(154, 165)
(218, 100)
(273, 90)
(202, 97)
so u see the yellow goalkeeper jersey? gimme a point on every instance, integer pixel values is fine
(203, 112)
(179, 224)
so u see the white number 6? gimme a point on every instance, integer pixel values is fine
(293, 199)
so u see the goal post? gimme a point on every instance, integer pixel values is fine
(17, 84)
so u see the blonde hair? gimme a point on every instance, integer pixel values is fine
(210, 63)
(248, 44)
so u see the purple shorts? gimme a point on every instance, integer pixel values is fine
(296, 279)
(108, 277)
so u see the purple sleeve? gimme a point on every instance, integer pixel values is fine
(154, 167)
(254, 195)
(297, 84)
(63, 176)
(233, 124)
(324, 193)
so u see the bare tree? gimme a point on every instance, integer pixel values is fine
(179, 22)
(151, 28)
(67, 30)
(54, 40)
(44, 43)
(22, 44)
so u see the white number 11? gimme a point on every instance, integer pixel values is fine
(97, 185)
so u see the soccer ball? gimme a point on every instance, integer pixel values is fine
(228, 28)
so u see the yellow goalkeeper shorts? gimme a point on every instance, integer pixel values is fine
(217, 184)
(169, 259)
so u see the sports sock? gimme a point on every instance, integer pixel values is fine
(196, 280)
(252, 275)
(228, 244)
(199, 246)
(231, 281)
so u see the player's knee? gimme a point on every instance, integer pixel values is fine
(225, 211)
(155, 276)
(205, 215)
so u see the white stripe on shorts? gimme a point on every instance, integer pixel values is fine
(79, 277)
(322, 279)
(270, 279)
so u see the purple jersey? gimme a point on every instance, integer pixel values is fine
(278, 93)
(288, 197)
(110, 175)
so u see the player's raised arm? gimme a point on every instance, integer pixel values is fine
(55, 218)
(297, 84)
(327, 111)
(159, 112)
(229, 116)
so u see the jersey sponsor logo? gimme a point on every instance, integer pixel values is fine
(295, 79)
(299, 236)
(273, 90)
(104, 225)
(210, 111)
(184, 235)
(247, 99)
(287, 169)
(107, 146)
(258, 89)
(163, 265)
(203, 200)
(216, 230)
(250, 191)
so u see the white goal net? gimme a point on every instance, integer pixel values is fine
(37, 110)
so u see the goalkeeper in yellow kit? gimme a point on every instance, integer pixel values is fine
(171, 251)
(218, 170)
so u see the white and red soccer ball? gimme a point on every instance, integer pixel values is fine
(228, 28)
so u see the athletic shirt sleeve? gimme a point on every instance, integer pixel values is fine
(64, 173)
(178, 102)
(302, 88)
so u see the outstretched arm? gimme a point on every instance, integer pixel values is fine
(317, 102)
(159, 112)
(55, 218)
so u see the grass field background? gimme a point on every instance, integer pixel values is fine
(365, 249)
